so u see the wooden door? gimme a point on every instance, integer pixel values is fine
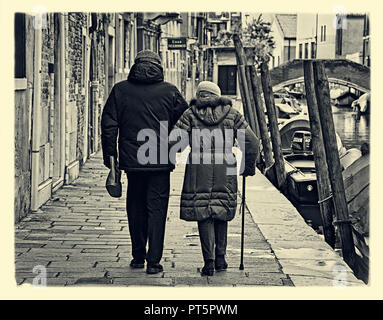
(227, 79)
(56, 122)
(91, 120)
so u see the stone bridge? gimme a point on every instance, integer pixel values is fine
(341, 71)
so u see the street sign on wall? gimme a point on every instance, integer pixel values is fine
(176, 43)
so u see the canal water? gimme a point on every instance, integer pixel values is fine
(352, 129)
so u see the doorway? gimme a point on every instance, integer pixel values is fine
(227, 79)
(57, 123)
(91, 100)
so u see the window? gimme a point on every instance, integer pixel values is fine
(338, 45)
(300, 51)
(306, 50)
(324, 33)
(313, 52)
(167, 59)
(20, 70)
(174, 60)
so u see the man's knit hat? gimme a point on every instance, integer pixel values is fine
(147, 55)
(209, 87)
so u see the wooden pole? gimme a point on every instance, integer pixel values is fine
(241, 62)
(256, 87)
(252, 100)
(326, 204)
(333, 162)
(273, 125)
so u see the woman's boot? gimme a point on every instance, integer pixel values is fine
(220, 263)
(208, 268)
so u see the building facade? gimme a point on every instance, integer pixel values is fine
(65, 67)
(366, 42)
(349, 38)
(284, 31)
(330, 36)
(306, 36)
(194, 30)
(59, 92)
(221, 63)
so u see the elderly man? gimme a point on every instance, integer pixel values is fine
(143, 103)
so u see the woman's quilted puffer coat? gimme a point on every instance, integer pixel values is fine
(208, 189)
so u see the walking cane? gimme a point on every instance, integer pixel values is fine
(241, 267)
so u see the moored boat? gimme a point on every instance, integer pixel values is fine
(362, 104)
(300, 169)
(356, 181)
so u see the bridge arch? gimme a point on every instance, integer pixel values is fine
(341, 71)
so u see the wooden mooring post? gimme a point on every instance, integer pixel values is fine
(256, 87)
(322, 92)
(246, 92)
(243, 84)
(252, 108)
(273, 125)
(326, 204)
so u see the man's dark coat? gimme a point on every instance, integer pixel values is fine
(141, 102)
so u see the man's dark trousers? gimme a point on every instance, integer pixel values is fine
(147, 206)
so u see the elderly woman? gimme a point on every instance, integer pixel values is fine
(209, 194)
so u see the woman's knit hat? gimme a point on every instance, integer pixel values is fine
(147, 55)
(209, 87)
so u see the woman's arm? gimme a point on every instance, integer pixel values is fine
(248, 143)
(179, 136)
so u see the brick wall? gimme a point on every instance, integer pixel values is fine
(47, 59)
(76, 21)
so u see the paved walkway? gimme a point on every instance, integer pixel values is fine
(81, 237)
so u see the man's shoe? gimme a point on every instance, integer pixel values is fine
(154, 268)
(208, 268)
(137, 264)
(220, 263)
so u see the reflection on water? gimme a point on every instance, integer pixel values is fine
(352, 130)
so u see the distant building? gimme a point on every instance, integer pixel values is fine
(194, 67)
(284, 31)
(366, 41)
(220, 56)
(306, 36)
(349, 39)
(328, 36)
(325, 35)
